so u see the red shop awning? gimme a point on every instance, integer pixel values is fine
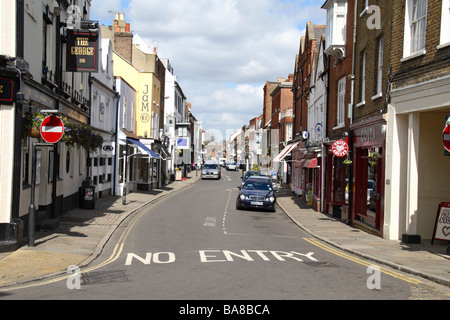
(311, 163)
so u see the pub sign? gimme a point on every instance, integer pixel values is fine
(7, 89)
(82, 51)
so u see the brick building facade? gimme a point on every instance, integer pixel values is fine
(339, 49)
(306, 162)
(417, 177)
(368, 129)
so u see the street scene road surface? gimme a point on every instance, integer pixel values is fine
(195, 245)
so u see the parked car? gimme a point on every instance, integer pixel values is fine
(211, 170)
(257, 192)
(232, 166)
(222, 162)
(250, 174)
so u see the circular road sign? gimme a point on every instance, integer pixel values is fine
(446, 138)
(52, 129)
(340, 148)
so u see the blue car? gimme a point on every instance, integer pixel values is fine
(257, 192)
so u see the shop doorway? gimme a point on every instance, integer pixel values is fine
(368, 188)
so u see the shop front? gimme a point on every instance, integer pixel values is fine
(369, 144)
(337, 181)
(306, 176)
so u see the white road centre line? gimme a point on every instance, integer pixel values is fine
(225, 213)
(210, 222)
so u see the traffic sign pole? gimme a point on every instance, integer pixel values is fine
(32, 212)
(52, 130)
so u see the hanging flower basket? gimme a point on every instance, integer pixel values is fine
(34, 132)
(74, 133)
(347, 162)
(373, 158)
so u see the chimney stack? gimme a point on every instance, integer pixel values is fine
(123, 38)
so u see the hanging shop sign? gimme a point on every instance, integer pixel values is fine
(82, 51)
(7, 89)
(183, 143)
(442, 225)
(340, 148)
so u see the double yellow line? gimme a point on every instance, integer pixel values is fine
(114, 256)
(362, 262)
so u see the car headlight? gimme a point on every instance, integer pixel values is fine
(272, 199)
(242, 197)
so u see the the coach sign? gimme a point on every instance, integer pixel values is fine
(82, 51)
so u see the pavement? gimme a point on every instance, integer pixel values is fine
(83, 233)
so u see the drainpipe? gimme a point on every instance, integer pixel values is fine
(15, 205)
(116, 144)
(352, 102)
(325, 130)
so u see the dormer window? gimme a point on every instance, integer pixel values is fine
(336, 27)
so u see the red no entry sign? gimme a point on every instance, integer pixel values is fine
(52, 129)
(446, 138)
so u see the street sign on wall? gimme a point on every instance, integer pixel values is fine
(183, 143)
(52, 129)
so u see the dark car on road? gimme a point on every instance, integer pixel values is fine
(248, 174)
(257, 192)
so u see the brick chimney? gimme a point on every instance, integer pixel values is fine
(123, 38)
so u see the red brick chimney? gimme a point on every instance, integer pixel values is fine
(123, 38)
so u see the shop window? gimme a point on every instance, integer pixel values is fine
(341, 104)
(67, 161)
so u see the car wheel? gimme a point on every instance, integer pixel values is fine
(238, 205)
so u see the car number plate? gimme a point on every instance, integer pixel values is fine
(257, 203)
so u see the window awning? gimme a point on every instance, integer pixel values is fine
(311, 163)
(280, 157)
(144, 148)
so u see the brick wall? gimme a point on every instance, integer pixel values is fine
(368, 40)
(303, 75)
(123, 42)
(434, 64)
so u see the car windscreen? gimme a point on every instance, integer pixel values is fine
(248, 174)
(255, 185)
(210, 166)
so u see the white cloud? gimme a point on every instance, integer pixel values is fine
(223, 51)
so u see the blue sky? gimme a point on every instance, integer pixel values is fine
(223, 51)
